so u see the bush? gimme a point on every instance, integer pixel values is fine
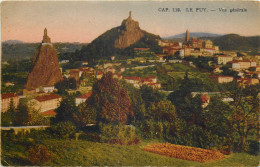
(117, 134)
(39, 154)
(64, 130)
(135, 141)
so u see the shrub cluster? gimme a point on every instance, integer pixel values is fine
(39, 154)
(118, 134)
(63, 130)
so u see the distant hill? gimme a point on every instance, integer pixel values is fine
(20, 50)
(237, 42)
(194, 34)
(12, 42)
(119, 41)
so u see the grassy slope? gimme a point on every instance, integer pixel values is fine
(86, 153)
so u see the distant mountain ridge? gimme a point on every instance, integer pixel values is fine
(194, 34)
(12, 42)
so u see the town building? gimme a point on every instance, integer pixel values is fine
(222, 79)
(242, 64)
(47, 102)
(83, 98)
(6, 99)
(224, 59)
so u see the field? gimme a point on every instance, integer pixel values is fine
(86, 153)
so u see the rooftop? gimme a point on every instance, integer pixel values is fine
(47, 97)
(85, 96)
(9, 95)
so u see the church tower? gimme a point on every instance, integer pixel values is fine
(187, 38)
(46, 38)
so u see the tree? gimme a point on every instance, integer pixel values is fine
(137, 102)
(162, 111)
(67, 111)
(149, 95)
(27, 114)
(111, 101)
(244, 112)
(8, 117)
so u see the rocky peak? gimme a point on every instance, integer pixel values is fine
(46, 70)
(129, 33)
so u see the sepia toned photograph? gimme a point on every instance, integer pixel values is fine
(130, 83)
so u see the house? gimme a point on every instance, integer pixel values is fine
(45, 89)
(75, 73)
(84, 63)
(122, 69)
(222, 79)
(82, 98)
(106, 65)
(133, 80)
(6, 99)
(205, 99)
(9, 84)
(247, 81)
(242, 64)
(117, 76)
(111, 69)
(47, 102)
(99, 74)
(49, 113)
(224, 59)
(63, 61)
(154, 85)
(153, 78)
(217, 70)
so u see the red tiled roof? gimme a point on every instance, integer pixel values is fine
(50, 112)
(204, 98)
(9, 95)
(47, 97)
(238, 61)
(151, 77)
(223, 56)
(132, 78)
(143, 49)
(99, 73)
(146, 80)
(85, 96)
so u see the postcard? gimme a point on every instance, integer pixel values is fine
(130, 83)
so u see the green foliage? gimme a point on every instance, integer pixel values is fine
(149, 95)
(39, 154)
(8, 117)
(137, 102)
(117, 134)
(162, 111)
(27, 115)
(237, 42)
(87, 115)
(67, 111)
(63, 130)
(111, 101)
(244, 113)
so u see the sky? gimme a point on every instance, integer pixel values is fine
(83, 21)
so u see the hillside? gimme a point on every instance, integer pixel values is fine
(119, 41)
(237, 42)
